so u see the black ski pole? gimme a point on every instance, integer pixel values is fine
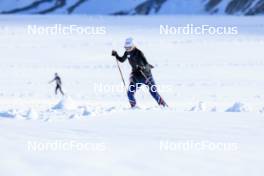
(120, 71)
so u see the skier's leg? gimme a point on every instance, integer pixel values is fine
(62, 93)
(56, 89)
(131, 94)
(154, 92)
(132, 88)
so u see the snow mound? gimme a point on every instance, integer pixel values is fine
(214, 109)
(32, 114)
(65, 104)
(261, 110)
(86, 112)
(238, 107)
(199, 107)
(94, 111)
(8, 114)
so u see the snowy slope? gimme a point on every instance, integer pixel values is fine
(131, 145)
(217, 97)
(133, 7)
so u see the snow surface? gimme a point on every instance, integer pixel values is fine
(212, 78)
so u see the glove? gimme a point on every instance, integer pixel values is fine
(138, 67)
(145, 68)
(114, 53)
(150, 66)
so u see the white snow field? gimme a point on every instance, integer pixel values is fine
(214, 86)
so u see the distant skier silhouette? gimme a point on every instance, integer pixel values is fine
(57, 79)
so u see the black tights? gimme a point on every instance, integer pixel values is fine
(58, 87)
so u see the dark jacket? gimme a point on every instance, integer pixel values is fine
(137, 61)
(58, 80)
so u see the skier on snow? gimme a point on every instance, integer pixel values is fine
(141, 72)
(57, 79)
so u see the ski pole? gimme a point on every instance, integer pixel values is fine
(120, 71)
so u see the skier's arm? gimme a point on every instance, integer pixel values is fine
(144, 60)
(120, 59)
(59, 82)
(51, 81)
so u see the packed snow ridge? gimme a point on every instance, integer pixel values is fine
(67, 108)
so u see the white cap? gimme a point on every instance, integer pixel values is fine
(129, 42)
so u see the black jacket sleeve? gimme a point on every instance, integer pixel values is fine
(146, 65)
(122, 58)
(143, 58)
